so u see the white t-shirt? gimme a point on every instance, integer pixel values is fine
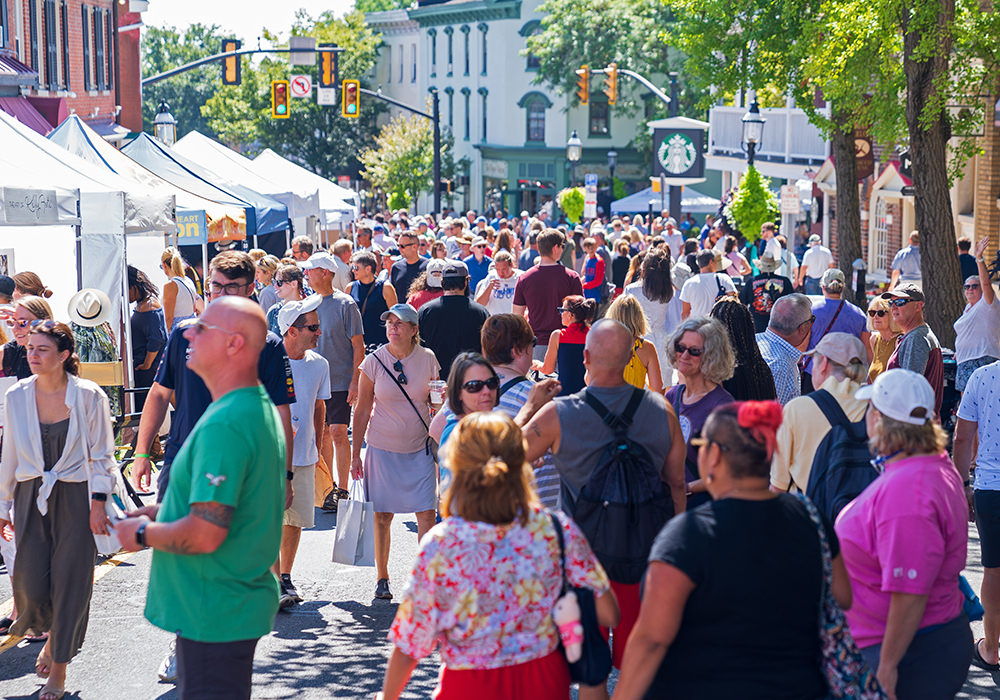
(979, 405)
(676, 242)
(772, 249)
(977, 331)
(501, 300)
(816, 261)
(701, 290)
(311, 376)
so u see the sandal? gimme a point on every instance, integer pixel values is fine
(43, 665)
(47, 693)
(33, 639)
(979, 661)
(5, 624)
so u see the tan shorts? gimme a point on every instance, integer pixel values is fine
(302, 511)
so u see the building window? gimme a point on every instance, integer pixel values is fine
(465, 32)
(466, 92)
(88, 59)
(484, 92)
(413, 55)
(450, 92)
(536, 121)
(451, 49)
(530, 29)
(401, 59)
(4, 34)
(99, 49)
(483, 27)
(879, 246)
(33, 39)
(600, 118)
(64, 30)
(388, 63)
(432, 33)
(49, 25)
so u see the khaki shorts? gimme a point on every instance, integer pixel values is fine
(302, 511)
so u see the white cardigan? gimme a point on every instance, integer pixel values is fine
(89, 454)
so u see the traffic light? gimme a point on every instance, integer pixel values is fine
(231, 74)
(327, 66)
(279, 99)
(583, 84)
(611, 83)
(350, 99)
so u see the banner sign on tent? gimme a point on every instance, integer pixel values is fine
(192, 227)
(23, 206)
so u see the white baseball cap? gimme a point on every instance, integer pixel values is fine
(902, 395)
(435, 268)
(291, 310)
(319, 260)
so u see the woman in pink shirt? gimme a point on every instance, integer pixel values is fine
(904, 543)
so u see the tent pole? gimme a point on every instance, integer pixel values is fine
(126, 352)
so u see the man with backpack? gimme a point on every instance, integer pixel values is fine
(591, 456)
(839, 368)
(700, 293)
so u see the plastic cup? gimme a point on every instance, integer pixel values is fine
(437, 388)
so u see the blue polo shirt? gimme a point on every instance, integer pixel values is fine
(477, 270)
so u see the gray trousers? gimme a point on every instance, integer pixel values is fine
(54, 569)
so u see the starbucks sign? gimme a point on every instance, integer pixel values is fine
(679, 152)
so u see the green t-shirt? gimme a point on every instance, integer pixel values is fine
(235, 455)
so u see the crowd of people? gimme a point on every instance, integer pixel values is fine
(490, 376)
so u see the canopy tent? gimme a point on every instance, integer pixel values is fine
(225, 222)
(264, 215)
(692, 201)
(302, 203)
(336, 201)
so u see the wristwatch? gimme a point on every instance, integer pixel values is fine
(99, 497)
(140, 536)
(289, 474)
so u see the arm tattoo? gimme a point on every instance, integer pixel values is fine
(215, 513)
(177, 547)
(535, 430)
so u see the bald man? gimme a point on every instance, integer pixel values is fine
(577, 437)
(218, 530)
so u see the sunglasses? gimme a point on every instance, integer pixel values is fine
(877, 312)
(311, 327)
(398, 366)
(41, 324)
(970, 286)
(474, 386)
(278, 283)
(899, 303)
(681, 348)
(200, 327)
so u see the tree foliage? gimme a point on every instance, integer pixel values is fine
(366, 6)
(163, 48)
(571, 201)
(753, 205)
(402, 159)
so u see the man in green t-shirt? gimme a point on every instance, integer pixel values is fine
(217, 532)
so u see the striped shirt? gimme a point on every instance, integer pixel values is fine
(783, 359)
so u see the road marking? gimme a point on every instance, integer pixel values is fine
(102, 569)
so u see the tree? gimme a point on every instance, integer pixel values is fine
(366, 6)
(315, 136)
(753, 205)
(163, 48)
(403, 157)
(571, 201)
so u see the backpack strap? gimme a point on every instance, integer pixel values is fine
(562, 552)
(510, 384)
(616, 423)
(832, 411)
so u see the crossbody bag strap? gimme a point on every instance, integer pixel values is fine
(364, 304)
(510, 384)
(562, 552)
(402, 389)
(832, 320)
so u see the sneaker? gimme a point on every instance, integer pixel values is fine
(330, 502)
(168, 667)
(289, 596)
(382, 589)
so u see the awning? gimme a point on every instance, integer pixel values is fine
(25, 112)
(13, 73)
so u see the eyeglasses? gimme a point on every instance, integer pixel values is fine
(398, 366)
(311, 327)
(705, 442)
(970, 286)
(811, 319)
(200, 327)
(877, 312)
(405, 245)
(474, 386)
(899, 303)
(681, 348)
(230, 289)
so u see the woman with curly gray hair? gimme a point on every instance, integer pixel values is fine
(700, 350)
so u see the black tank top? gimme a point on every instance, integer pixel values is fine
(372, 305)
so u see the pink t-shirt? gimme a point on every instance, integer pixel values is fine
(906, 533)
(394, 425)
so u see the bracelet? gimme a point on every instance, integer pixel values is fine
(140, 536)
(137, 455)
(980, 260)
(289, 475)
(99, 496)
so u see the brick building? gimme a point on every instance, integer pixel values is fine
(63, 56)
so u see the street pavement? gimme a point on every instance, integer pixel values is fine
(332, 645)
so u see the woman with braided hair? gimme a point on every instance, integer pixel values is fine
(732, 593)
(752, 379)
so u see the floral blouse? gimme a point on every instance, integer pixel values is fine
(486, 592)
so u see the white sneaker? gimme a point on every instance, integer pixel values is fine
(168, 667)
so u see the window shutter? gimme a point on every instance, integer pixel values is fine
(33, 35)
(51, 46)
(4, 33)
(99, 81)
(88, 59)
(109, 28)
(64, 12)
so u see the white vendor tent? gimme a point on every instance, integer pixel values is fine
(692, 202)
(336, 201)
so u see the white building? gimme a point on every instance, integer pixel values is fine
(512, 131)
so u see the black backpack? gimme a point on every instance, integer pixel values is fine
(624, 504)
(841, 467)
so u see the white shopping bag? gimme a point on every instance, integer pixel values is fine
(354, 537)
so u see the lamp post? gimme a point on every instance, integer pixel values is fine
(574, 151)
(164, 124)
(612, 162)
(753, 129)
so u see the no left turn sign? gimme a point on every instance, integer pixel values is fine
(301, 86)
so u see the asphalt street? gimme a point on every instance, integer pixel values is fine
(332, 645)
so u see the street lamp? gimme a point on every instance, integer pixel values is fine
(164, 125)
(753, 129)
(574, 151)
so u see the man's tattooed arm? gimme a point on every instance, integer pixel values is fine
(215, 513)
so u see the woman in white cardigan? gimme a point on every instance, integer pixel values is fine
(57, 470)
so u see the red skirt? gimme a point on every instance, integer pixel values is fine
(546, 678)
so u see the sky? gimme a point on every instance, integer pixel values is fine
(236, 15)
